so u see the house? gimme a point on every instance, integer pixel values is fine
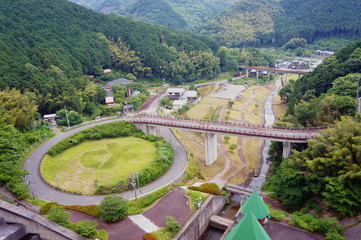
(128, 108)
(175, 93)
(324, 53)
(298, 64)
(264, 73)
(120, 81)
(105, 71)
(51, 118)
(135, 93)
(177, 104)
(109, 100)
(190, 95)
(279, 62)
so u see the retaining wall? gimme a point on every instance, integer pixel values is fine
(195, 227)
(35, 223)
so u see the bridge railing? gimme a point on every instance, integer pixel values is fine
(302, 129)
(252, 132)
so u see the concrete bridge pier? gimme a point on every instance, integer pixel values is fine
(153, 130)
(287, 147)
(247, 72)
(211, 148)
(257, 74)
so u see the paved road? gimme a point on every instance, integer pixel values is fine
(43, 191)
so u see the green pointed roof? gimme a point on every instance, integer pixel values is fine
(256, 205)
(248, 229)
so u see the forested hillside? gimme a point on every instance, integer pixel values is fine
(271, 22)
(180, 14)
(47, 46)
(313, 19)
(245, 23)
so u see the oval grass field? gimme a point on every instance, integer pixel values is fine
(105, 161)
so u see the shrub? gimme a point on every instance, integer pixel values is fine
(19, 189)
(60, 216)
(91, 210)
(86, 228)
(313, 224)
(232, 147)
(334, 235)
(277, 215)
(113, 208)
(210, 188)
(149, 236)
(194, 197)
(46, 208)
(172, 224)
(102, 235)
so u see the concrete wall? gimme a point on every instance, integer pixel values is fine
(35, 223)
(195, 227)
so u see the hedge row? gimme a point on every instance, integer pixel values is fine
(163, 160)
(137, 206)
(91, 210)
(210, 188)
(109, 130)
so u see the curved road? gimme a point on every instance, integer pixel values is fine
(43, 191)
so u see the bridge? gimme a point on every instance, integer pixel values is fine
(287, 136)
(274, 70)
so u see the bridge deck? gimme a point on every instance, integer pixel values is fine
(299, 135)
(275, 69)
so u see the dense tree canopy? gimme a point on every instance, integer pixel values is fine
(330, 167)
(180, 14)
(275, 22)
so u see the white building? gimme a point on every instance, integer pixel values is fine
(177, 104)
(190, 95)
(175, 93)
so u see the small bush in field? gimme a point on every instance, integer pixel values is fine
(172, 224)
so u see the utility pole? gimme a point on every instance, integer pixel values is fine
(67, 118)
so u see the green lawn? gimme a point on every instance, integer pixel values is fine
(104, 162)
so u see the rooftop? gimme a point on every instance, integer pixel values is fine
(255, 205)
(175, 90)
(248, 228)
(191, 93)
(120, 81)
